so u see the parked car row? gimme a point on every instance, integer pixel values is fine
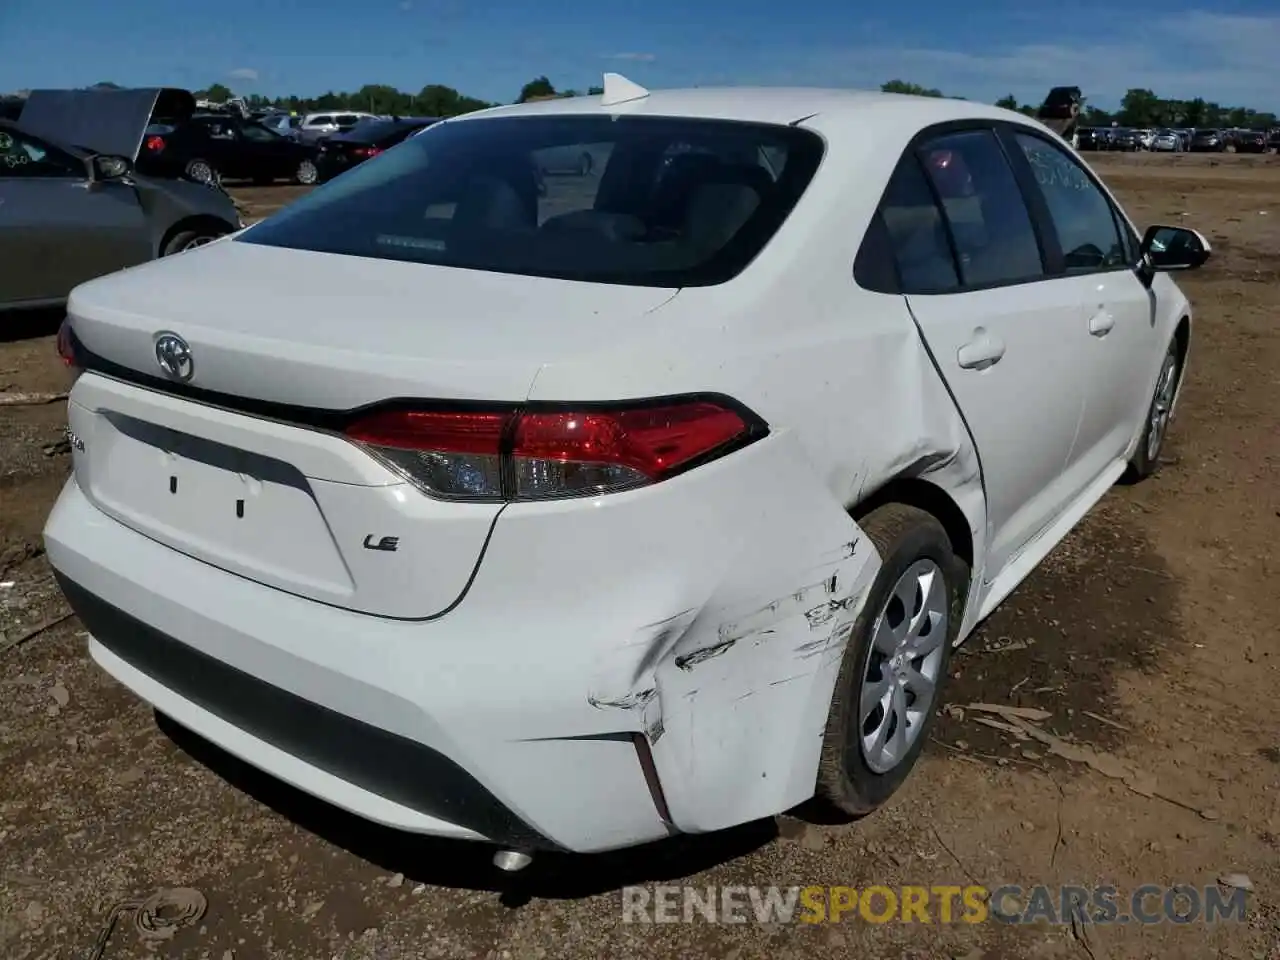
(210, 147)
(94, 181)
(1170, 140)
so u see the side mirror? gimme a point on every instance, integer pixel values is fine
(111, 168)
(1173, 248)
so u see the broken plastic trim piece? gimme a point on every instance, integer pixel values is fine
(618, 89)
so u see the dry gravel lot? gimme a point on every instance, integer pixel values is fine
(1148, 636)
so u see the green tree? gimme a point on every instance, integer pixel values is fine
(594, 91)
(535, 89)
(1139, 108)
(914, 89)
(1008, 102)
(1092, 116)
(1193, 112)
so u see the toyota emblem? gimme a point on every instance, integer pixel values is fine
(174, 356)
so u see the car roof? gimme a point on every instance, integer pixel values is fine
(779, 105)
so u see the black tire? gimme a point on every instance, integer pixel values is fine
(202, 171)
(902, 536)
(1146, 459)
(185, 240)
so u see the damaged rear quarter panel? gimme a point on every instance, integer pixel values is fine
(738, 702)
(745, 692)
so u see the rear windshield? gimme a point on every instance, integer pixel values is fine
(372, 129)
(646, 201)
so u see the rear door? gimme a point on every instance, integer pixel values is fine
(58, 229)
(999, 329)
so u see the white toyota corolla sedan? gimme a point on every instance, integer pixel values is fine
(569, 512)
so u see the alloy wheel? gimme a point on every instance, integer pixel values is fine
(1162, 405)
(201, 172)
(900, 683)
(199, 240)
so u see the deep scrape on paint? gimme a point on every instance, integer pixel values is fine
(629, 702)
(690, 660)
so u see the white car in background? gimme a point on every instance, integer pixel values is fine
(652, 503)
(317, 126)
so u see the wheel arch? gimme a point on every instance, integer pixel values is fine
(1182, 336)
(916, 491)
(195, 222)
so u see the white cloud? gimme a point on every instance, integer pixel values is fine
(244, 73)
(1222, 57)
(640, 57)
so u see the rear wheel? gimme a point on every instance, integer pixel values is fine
(202, 171)
(307, 173)
(1146, 459)
(895, 664)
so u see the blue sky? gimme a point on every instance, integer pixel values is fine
(1224, 50)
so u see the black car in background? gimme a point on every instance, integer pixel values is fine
(1208, 141)
(1250, 141)
(211, 147)
(1092, 138)
(342, 151)
(1128, 140)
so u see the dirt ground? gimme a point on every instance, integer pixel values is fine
(1146, 637)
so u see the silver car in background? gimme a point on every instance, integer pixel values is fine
(72, 208)
(317, 126)
(1166, 141)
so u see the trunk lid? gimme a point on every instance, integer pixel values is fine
(301, 509)
(338, 332)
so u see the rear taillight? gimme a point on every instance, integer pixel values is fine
(155, 144)
(67, 348)
(541, 454)
(367, 151)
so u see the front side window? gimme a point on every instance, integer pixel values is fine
(1081, 213)
(27, 158)
(987, 216)
(574, 197)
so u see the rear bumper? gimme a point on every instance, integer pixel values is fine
(699, 624)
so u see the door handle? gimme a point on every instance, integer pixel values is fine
(983, 351)
(1100, 323)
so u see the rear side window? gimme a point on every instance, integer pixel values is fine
(917, 232)
(647, 201)
(321, 121)
(988, 218)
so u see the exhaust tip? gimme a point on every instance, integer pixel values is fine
(510, 861)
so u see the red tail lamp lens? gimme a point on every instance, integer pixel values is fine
(536, 455)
